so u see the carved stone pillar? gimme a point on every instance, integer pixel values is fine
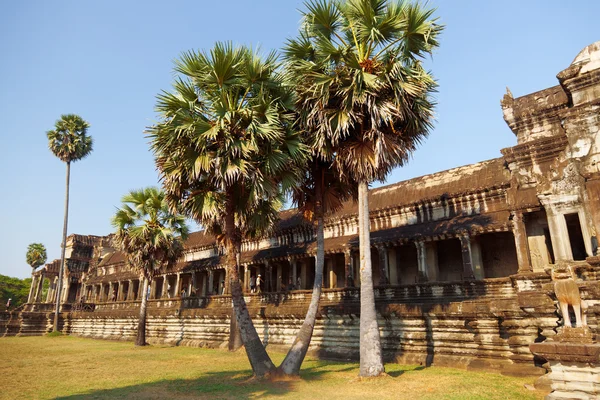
(246, 279)
(177, 283)
(49, 294)
(331, 273)
(211, 277)
(38, 293)
(348, 270)
(393, 265)
(303, 274)
(192, 285)
(32, 289)
(294, 265)
(279, 278)
(433, 269)
(267, 276)
(152, 289)
(476, 259)
(383, 265)
(423, 271)
(521, 242)
(129, 290)
(465, 244)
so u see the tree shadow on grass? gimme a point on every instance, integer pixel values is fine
(211, 385)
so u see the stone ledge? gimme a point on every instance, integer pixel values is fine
(567, 352)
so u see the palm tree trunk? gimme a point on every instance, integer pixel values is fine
(62, 252)
(371, 361)
(295, 356)
(141, 331)
(257, 355)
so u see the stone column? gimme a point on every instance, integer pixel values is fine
(332, 275)
(294, 265)
(269, 277)
(521, 242)
(32, 289)
(193, 284)
(245, 280)
(66, 288)
(130, 290)
(559, 235)
(393, 265)
(383, 265)
(211, 277)
(177, 283)
(303, 274)
(465, 244)
(49, 294)
(477, 259)
(279, 278)
(38, 293)
(38, 297)
(422, 266)
(165, 291)
(348, 270)
(432, 261)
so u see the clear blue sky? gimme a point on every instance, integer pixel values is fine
(106, 61)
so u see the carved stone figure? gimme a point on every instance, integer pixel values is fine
(567, 293)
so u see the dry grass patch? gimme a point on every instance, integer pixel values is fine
(75, 368)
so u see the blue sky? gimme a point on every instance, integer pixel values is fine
(107, 60)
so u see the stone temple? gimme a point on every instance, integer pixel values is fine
(462, 259)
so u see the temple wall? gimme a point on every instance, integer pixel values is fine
(477, 324)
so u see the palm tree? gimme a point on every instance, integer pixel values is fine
(36, 256)
(69, 142)
(361, 84)
(321, 192)
(226, 152)
(151, 236)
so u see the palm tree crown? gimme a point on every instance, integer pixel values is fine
(36, 255)
(226, 131)
(148, 232)
(361, 86)
(69, 140)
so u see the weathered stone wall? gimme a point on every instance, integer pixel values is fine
(476, 324)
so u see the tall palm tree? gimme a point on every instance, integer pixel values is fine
(69, 142)
(321, 192)
(361, 84)
(226, 151)
(35, 256)
(151, 236)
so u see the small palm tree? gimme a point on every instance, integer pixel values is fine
(226, 152)
(36, 256)
(151, 237)
(361, 85)
(69, 142)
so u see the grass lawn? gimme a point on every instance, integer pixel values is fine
(74, 368)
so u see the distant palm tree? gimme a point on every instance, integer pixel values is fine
(36, 256)
(69, 142)
(226, 152)
(151, 237)
(361, 85)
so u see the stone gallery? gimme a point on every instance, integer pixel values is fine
(478, 266)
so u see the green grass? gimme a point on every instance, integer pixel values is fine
(74, 368)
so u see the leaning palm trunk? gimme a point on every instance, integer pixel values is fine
(141, 331)
(371, 362)
(62, 252)
(295, 356)
(257, 355)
